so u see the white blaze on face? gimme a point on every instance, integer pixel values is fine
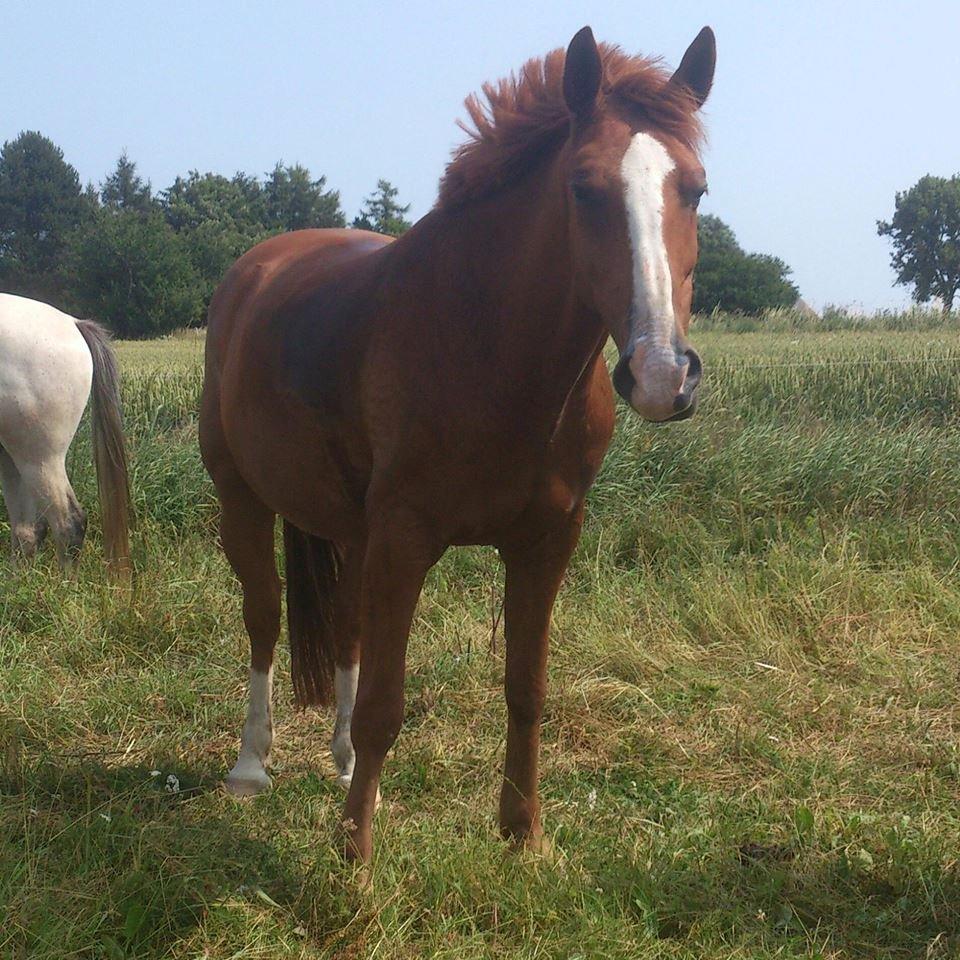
(644, 170)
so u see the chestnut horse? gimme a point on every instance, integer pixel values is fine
(391, 399)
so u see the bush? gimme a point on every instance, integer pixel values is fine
(133, 272)
(729, 279)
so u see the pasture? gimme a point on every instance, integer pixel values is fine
(751, 740)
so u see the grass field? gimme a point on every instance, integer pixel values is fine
(751, 739)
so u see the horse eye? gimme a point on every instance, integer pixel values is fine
(695, 196)
(584, 192)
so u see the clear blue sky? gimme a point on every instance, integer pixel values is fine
(820, 112)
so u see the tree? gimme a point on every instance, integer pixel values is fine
(292, 201)
(728, 278)
(124, 190)
(925, 232)
(198, 198)
(218, 218)
(221, 218)
(381, 212)
(40, 204)
(133, 272)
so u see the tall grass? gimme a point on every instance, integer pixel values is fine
(750, 747)
(832, 320)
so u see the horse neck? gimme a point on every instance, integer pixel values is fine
(509, 258)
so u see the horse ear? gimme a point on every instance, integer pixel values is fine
(582, 72)
(696, 68)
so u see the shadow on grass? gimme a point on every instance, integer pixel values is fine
(114, 861)
(887, 894)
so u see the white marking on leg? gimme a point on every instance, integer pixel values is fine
(345, 686)
(249, 773)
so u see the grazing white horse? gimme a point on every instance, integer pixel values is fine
(48, 363)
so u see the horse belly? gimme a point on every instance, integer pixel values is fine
(294, 467)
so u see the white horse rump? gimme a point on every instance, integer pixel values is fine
(48, 363)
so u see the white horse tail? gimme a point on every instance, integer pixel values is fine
(109, 450)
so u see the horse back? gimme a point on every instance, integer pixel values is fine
(276, 273)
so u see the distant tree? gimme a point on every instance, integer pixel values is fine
(381, 212)
(124, 190)
(132, 271)
(200, 198)
(40, 205)
(292, 201)
(728, 278)
(89, 202)
(925, 232)
(713, 234)
(218, 218)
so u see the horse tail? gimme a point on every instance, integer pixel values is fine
(109, 451)
(312, 569)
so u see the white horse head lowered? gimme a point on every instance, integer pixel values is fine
(48, 363)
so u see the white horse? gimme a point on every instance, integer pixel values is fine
(48, 362)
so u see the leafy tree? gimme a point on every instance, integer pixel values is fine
(381, 212)
(40, 204)
(235, 202)
(133, 272)
(728, 278)
(219, 218)
(124, 190)
(292, 201)
(925, 232)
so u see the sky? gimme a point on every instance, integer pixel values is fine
(820, 110)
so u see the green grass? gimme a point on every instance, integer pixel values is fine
(751, 739)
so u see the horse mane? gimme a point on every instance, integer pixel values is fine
(525, 117)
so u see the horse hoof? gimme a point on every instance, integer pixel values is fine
(542, 848)
(247, 786)
(531, 842)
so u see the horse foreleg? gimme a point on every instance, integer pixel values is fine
(533, 577)
(395, 563)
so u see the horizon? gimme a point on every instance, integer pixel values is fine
(798, 120)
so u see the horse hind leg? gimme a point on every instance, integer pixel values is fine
(321, 577)
(247, 535)
(27, 528)
(60, 510)
(346, 662)
(47, 502)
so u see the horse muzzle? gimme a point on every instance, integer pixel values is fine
(660, 383)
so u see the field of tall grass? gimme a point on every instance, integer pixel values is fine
(751, 738)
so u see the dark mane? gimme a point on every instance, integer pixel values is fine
(525, 116)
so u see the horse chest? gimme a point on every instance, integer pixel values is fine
(492, 489)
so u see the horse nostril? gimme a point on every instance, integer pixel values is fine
(623, 379)
(694, 370)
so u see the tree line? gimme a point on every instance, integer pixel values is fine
(146, 263)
